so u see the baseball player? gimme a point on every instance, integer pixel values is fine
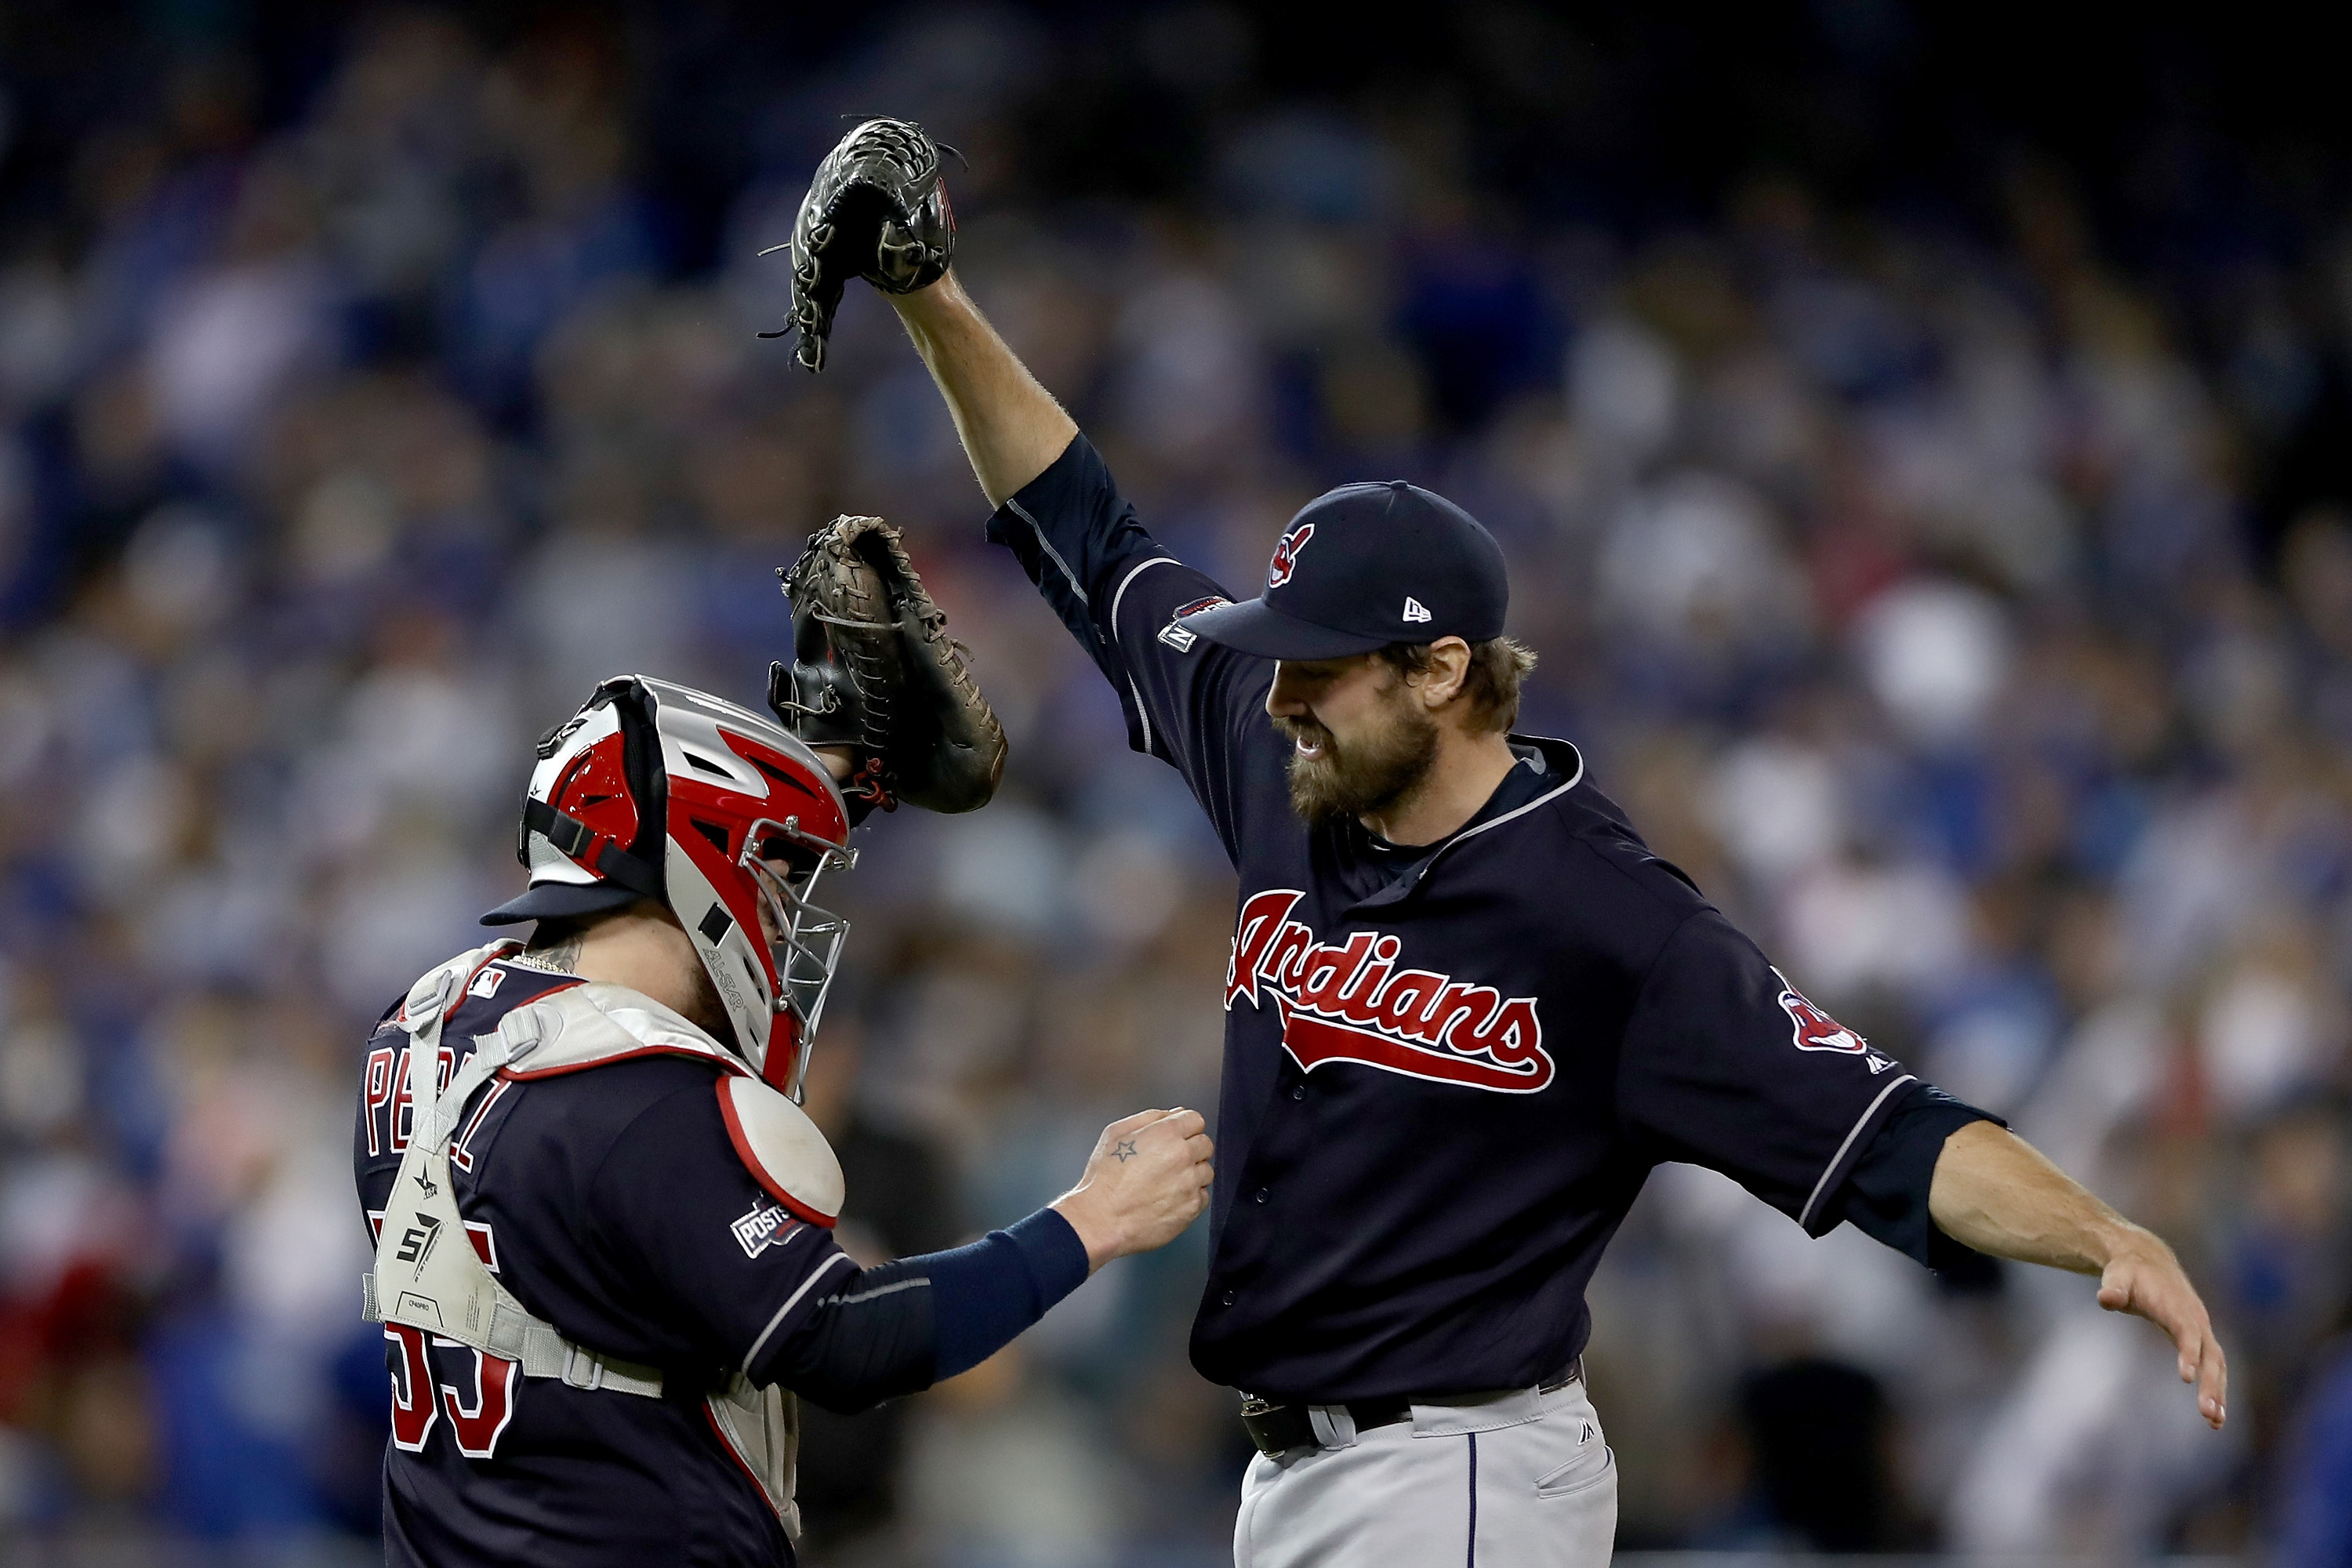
(1468, 1009)
(601, 1220)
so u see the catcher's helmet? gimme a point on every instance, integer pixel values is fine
(657, 791)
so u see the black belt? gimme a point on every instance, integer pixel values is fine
(1278, 1429)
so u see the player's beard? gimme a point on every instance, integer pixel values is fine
(1365, 776)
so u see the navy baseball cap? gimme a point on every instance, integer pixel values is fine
(1366, 565)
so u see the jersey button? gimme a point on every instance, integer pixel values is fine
(1228, 1297)
(1260, 1196)
(1300, 1092)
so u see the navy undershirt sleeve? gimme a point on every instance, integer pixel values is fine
(902, 1326)
(1886, 1194)
(985, 1294)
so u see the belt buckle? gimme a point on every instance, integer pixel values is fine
(1571, 1373)
(1259, 1419)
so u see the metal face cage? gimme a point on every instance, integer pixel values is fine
(807, 939)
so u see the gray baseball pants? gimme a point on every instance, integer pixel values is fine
(1515, 1480)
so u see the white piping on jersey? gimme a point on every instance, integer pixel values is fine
(1551, 794)
(1047, 546)
(789, 1302)
(1140, 710)
(1574, 779)
(1134, 572)
(919, 1282)
(1852, 1133)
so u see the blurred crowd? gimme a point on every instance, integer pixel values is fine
(1903, 581)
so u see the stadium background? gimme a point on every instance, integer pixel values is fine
(1921, 436)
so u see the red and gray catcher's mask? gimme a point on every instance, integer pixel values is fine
(657, 791)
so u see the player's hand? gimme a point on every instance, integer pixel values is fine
(1146, 1180)
(2145, 1278)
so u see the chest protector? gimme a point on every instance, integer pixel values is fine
(427, 1274)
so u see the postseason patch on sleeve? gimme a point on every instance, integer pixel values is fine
(1174, 634)
(762, 1228)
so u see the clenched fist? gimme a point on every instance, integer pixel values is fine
(1146, 1180)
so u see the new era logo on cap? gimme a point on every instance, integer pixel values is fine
(1377, 547)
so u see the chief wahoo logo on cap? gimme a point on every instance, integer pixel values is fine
(1286, 554)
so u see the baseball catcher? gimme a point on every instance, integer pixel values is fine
(604, 1258)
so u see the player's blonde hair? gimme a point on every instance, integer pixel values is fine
(1491, 684)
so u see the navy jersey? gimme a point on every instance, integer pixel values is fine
(611, 1202)
(1443, 1083)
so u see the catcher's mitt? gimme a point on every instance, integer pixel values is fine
(874, 669)
(876, 209)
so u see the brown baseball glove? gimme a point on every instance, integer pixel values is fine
(874, 669)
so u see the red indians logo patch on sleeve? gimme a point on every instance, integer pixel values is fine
(1814, 1029)
(1286, 554)
(1350, 1002)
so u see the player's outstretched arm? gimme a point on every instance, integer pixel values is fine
(1146, 1180)
(1995, 1192)
(891, 1330)
(1012, 428)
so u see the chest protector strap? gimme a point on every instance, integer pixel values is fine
(427, 1274)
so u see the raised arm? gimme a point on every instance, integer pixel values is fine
(1012, 428)
(1995, 1192)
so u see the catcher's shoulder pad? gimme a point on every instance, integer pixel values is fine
(782, 1149)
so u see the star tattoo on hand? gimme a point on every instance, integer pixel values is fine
(1125, 1150)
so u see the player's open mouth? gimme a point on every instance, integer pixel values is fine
(1306, 747)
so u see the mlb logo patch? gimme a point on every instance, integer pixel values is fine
(488, 982)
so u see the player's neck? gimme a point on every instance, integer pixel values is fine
(1462, 779)
(643, 949)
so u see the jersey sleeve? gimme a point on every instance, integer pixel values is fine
(1885, 1194)
(683, 1227)
(683, 1222)
(1725, 1064)
(1190, 702)
(901, 1326)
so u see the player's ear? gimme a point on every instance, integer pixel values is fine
(1448, 667)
